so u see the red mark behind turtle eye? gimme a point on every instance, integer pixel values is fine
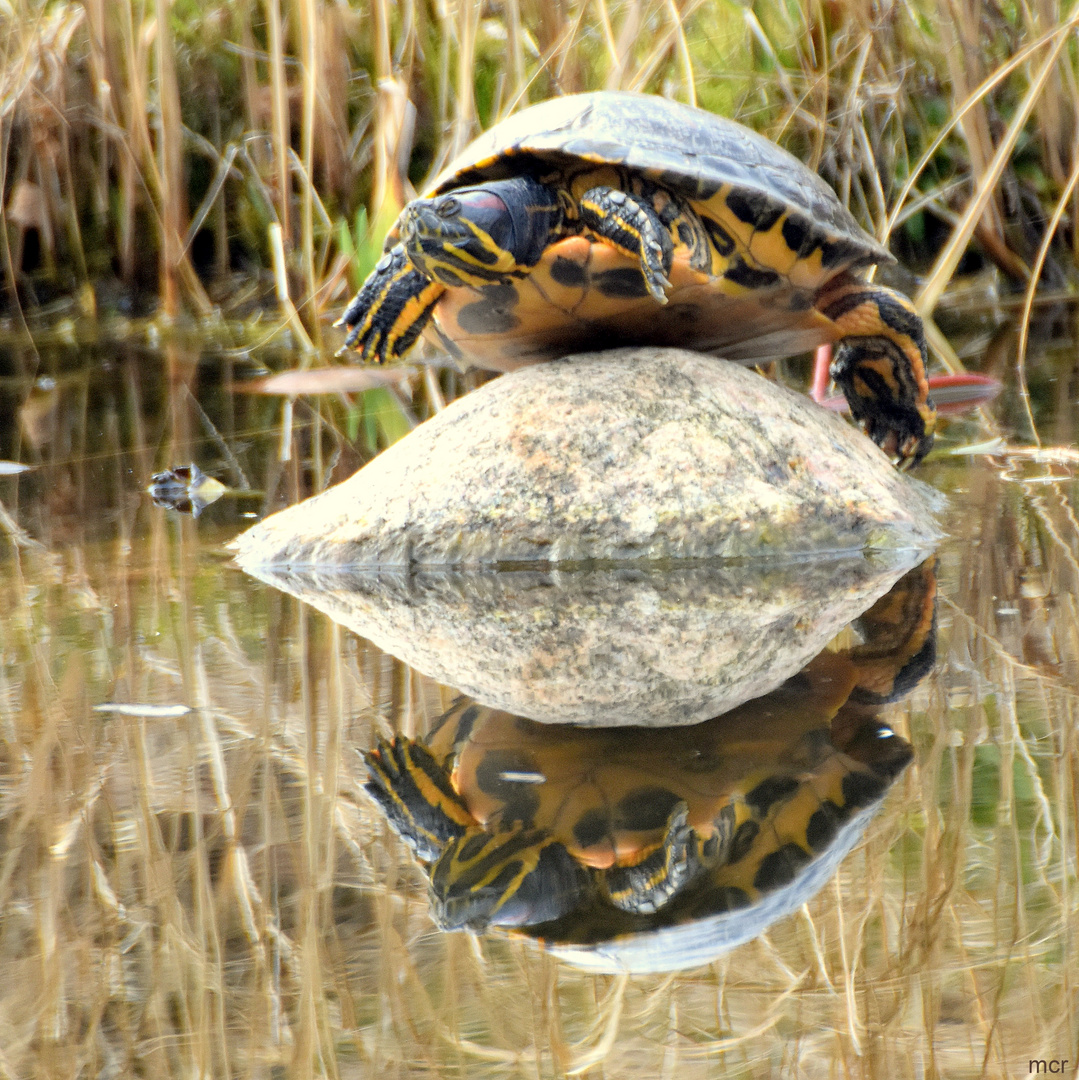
(481, 199)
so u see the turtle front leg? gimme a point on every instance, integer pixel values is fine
(391, 309)
(515, 877)
(879, 364)
(631, 226)
(416, 796)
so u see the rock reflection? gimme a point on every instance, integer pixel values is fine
(622, 645)
(649, 849)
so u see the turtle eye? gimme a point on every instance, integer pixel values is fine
(448, 207)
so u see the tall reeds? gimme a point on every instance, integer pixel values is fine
(162, 143)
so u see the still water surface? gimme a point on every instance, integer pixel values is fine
(194, 883)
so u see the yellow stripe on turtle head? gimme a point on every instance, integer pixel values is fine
(479, 263)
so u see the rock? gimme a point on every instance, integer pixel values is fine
(630, 454)
(610, 647)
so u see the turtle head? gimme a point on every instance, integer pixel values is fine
(473, 236)
(462, 238)
(521, 877)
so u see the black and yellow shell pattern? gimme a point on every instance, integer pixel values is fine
(578, 836)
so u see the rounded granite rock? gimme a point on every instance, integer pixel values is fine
(630, 454)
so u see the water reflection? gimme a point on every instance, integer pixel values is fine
(655, 850)
(620, 646)
(212, 894)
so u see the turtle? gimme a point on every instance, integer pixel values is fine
(568, 833)
(614, 218)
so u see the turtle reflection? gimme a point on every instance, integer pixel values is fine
(186, 489)
(659, 848)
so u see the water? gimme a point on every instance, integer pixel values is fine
(196, 885)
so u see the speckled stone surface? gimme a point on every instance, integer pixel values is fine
(604, 647)
(627, 454)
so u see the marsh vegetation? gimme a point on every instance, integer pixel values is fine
(191, 881)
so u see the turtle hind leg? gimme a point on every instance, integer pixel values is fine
(634, 228)
(898, 639)
(880, 365)
(390, 311)
(415, 794)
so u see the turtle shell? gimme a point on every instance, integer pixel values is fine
(689, 151)
(782, 227)
(606, 793)
(769, 791)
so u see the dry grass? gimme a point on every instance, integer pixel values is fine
(167, 145)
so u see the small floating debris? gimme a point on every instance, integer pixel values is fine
(13, 468)
(1044, 455)
(994, 447)
(186, 489)
(1064, 456)
(328, 380)
(149, 712)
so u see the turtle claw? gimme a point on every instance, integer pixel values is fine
(904, 432)
(646, 886)
(657, 282)
(655, 263)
